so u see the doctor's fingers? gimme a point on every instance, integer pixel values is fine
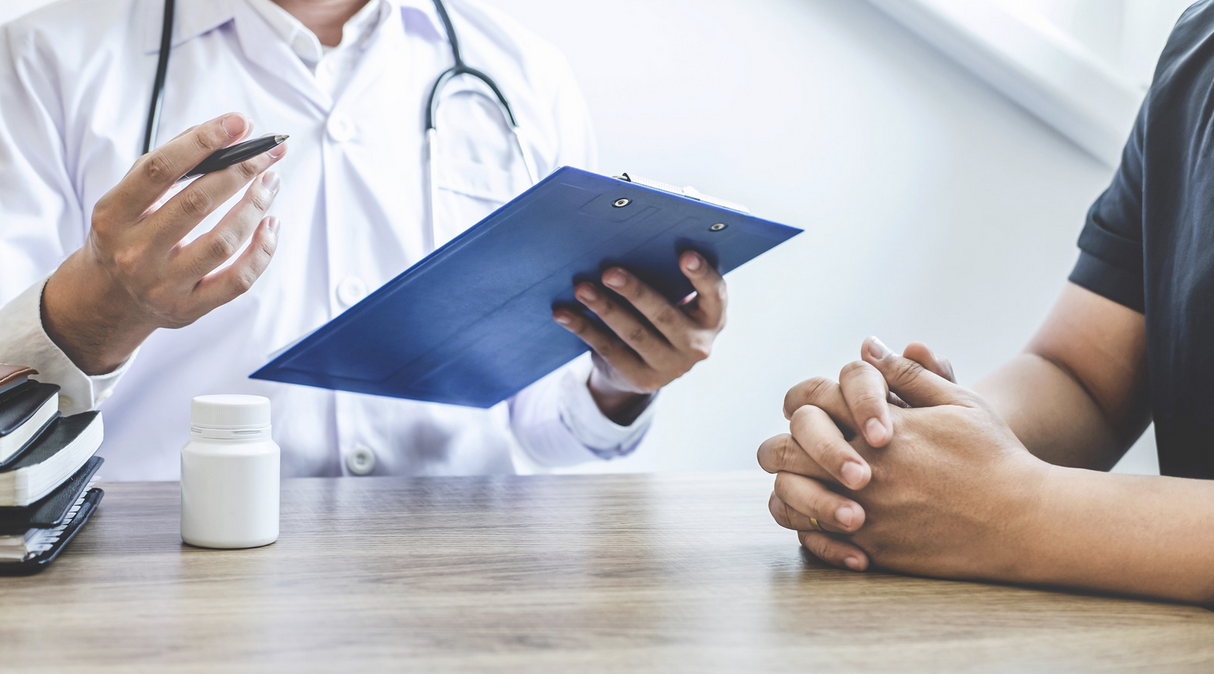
(649, 344)
(675, 325)
(712, 294)
(233, 281)
(171, 222)
(610, 347)
(213, 248)
(799, 498)
(155, 172)
(247, 131)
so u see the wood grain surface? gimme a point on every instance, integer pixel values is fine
(525, 574)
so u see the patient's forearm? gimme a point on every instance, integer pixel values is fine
(1052, 414)
(1150, 536)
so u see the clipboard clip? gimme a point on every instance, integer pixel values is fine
(689, 192)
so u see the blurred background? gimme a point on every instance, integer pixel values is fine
(940, 154)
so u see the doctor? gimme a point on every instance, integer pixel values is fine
(91, 292)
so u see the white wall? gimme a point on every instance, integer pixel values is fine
(1126, 34)
(934, 208)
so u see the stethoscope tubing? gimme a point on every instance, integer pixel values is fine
(457, 70)
(162, 69)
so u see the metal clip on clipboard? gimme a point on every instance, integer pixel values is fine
(689, 192)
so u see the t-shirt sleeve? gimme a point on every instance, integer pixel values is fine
(1111, 256)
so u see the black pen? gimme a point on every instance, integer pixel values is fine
(229, 156)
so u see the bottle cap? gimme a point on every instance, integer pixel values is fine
(230, 412)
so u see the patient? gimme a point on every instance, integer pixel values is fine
(1007, 481)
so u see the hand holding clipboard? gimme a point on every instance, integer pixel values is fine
(471, 324)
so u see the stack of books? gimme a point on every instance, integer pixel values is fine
(47, 467)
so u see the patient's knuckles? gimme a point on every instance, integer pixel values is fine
(802, 418)
(904, 371)
(853, 368)
(808, 392)
(768, 454)
(786, 453)
(784, 485)
(823, 548)
(820, 547)
(779, 511)
(824, 451)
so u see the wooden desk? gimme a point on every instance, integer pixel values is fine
(602, 573)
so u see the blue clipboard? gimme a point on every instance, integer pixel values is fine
(471, 324)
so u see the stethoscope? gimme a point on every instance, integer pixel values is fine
(460, 68)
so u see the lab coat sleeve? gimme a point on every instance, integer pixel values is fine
(558, 424)
(556, 420)
(25, 342)
(41, 219)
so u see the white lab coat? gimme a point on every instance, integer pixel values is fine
(75, 79)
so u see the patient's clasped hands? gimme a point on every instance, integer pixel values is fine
(928, 481)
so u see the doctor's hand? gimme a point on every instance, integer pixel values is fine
(649, 341)
(830, 464)
(135, 274)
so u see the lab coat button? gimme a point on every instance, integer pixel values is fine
(361, 461)
(341, 127)
(301, 46)
(351, 290)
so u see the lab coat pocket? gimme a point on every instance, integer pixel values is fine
(468, 192)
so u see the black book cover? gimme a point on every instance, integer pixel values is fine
(19, 404)
(20, 408)
(43, 559)
(51, 510)
(60, 435)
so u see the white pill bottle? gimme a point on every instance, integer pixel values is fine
(229, 474)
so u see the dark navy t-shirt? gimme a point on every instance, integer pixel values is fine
(1148, 243)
